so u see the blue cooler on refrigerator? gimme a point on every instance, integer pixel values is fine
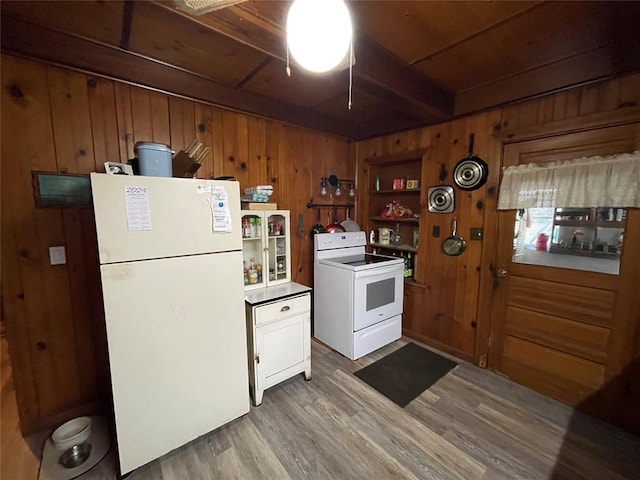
(154, 159)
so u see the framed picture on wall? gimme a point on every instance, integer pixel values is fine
(53, 189)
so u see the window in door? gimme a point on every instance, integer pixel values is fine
(588, 239)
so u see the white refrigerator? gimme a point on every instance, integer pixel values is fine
(172, 282)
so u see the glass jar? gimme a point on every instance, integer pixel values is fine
(396, 238)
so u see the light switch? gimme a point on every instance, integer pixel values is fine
(57, 255)
(476, 233)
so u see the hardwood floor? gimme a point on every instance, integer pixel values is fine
(472, 424)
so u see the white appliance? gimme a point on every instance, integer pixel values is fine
(171, 268)
(357, 296)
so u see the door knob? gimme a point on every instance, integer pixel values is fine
(501, 272)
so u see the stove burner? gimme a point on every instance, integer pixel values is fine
(362, 259)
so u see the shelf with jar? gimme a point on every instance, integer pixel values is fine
(265, 247)
(411, 220)
(596, 232)
(394, 199)
(408, 254)
(400, 238)
(391, 242)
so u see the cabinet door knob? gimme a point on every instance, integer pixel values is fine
(501, 272)
(257, 358)
(285, 308)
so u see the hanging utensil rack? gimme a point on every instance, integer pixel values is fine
(330, 205)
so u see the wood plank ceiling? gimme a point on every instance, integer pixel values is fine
(417, 62)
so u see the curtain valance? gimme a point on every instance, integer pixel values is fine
(584, 182)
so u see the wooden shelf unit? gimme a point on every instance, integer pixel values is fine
(408, 166)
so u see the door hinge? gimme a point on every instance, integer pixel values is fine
(482, 363)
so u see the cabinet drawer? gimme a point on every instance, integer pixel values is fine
(282, 309)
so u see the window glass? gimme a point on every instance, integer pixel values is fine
(578, 238)
(381, 293)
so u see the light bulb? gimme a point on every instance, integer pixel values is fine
(323, 188)
(319, 33)
(352, 190)
(338, 192)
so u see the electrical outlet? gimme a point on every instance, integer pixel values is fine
(57, 256)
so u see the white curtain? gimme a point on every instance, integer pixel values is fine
(583, 182)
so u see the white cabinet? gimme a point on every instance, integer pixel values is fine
(279, 342)
(266, 248)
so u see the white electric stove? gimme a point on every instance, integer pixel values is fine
(357, 296)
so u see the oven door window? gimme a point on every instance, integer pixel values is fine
(378, 297)
(380, 293)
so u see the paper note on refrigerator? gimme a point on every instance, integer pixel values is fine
(220, 210)
(138, 214)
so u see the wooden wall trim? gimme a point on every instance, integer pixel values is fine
(443, 347)
(490, 232)
(592, 66)
(624, 115)
(625, 326)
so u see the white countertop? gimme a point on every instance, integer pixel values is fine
(268, 294)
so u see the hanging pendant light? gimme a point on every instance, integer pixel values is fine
(319, 33)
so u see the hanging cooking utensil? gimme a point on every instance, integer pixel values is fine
(349, 225)
(454, 245)
(471, 172)
(334, 227)
(317, 228)
(441, 199)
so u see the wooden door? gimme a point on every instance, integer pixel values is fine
(567, 333)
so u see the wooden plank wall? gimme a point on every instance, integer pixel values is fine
(457, 291)
(443, 306)
(58, 120)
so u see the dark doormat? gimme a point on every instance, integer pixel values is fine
(404, 374)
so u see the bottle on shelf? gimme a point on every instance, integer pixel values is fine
(258, 230)
(246, 227)
(408, 266)
(253, 227)
(246, 272)
(259, 272)
(372, 237)
(253, 273)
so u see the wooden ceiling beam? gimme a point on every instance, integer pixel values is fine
(389, 98)
(376, 65)
(373, 64)
(127, 17)
(41, 43)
